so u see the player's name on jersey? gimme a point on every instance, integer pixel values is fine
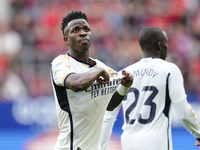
(146, 71)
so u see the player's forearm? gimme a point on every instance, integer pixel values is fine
(117, 97)
(191, 125)
(80, 82)
(187, 118)
(115, 101)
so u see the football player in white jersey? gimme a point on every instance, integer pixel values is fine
(157, 86)
(83, 88)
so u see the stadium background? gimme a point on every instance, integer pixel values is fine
(30, 37)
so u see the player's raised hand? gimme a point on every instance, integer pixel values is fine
(127, 79)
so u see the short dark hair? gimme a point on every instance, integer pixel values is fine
(150, 36)
(71, 16)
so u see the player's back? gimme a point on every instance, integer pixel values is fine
(147, 106)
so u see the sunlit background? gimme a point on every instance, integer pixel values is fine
(30, 37)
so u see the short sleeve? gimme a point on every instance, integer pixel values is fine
(60, 71)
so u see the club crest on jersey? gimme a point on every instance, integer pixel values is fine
(112, 73)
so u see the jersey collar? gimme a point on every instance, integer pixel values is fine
(85, 64)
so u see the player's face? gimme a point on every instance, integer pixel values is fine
(78, 35)
(164, 47)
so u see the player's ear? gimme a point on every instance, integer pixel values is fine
(159, 45)
(66, 39)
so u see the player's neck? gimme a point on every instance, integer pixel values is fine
(82, 56)
(148, 55)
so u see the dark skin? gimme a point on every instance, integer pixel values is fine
(160, 51)
(78, 38)
(116, 99)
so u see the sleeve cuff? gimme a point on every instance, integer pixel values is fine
(65, 77)
(122, 90)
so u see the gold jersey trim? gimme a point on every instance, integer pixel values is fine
(65, 77)
(65, 58)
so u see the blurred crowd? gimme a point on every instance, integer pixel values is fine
(30, 37)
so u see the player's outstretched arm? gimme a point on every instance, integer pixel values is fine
(80, 82)
(123, 88)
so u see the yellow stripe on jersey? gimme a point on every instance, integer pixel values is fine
(89, 65)
(95, 66)
(190, 107)
(65, 58)
(97, 60)
(68, 58)
(180, 71)
(65, 77)
(85, 65)
(62, 57)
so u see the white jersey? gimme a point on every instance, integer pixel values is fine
(80, 114)
(156, 87)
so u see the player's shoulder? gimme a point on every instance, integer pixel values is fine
(132, 66)
(169, 66)
(158, 63)
(97, 61)
(111, 71)
(61, 58)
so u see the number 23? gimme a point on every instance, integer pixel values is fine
(149, 102)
